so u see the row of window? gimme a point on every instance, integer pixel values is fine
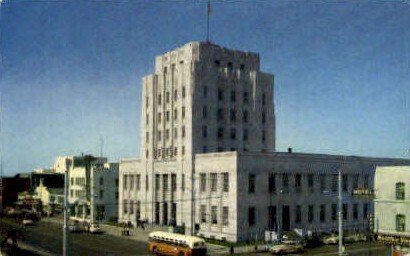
(167, 134)
(326, 213)
(212, 216)
(132, 182)
(213, 181)
(310, 180)
(166, 152)
(77, 181)
(167, 96)
(131, 207)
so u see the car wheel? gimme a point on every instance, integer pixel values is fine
(155, 250)
(181, 254)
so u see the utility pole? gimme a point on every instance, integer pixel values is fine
(208, 12)
(65, 212)
(341, 248)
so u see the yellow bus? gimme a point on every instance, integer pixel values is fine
(165, 243)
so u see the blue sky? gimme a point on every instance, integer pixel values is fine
(71, 72)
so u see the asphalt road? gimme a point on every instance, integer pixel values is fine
(48, 237)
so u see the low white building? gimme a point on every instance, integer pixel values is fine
(52, 199)
(392, 206)
(92, 188)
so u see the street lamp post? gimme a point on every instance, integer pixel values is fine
(341, 250)
(65, 213)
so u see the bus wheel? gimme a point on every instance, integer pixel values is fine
(155, 250)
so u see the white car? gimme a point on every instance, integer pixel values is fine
(95, 229)
(75, 228)
(28, 222)
(287, 246)
(332, 239)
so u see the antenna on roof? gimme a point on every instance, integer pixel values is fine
(208, 12)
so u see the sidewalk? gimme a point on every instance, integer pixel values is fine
(25, 249)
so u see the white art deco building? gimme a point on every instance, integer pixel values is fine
(208, 159)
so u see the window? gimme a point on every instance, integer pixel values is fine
(230, 66)
(365, 210)
(116, 194)
(183, 150)
(202, 212)
(355, 212)
(220, 115)
(167, 116)
(146, 183)
(131, 182)
(400, 222)
(251, 216)
(173, 182)
(400, 191)
(159, 99)
(272, 183)
(125, 181)
(220, 94)
(214, 181)
(71, 192)
(334, 212)
(138, 181)
(225, 178)
(356, 181)
(272, 217)
(344, 182)
(298, 214)
(298, 183)
(146, 119)
(233, 115)
(263, 117)
(167, 134)
(345, 213)
(131, 207)
(167, 97)
(311, 213)
(157, 181)
(366, 181)
(322, 213)
(175, 95)
(310, 182)
(204, 149)
(285, 183)
(183, 92)
(245, 97)
(183, 131)
(125, 206)
(251, 183)
(204, 131)
(263, 99)
(225, 216)
(183, 112)
(334, 183)
(165, 182)
(214, 214)
(220, 149)
(159, 135)
(183, 182)
(146, 102)
(233, 96)
(205, 91)
(175, 133)
(322, 180)
(147, 137)
(263, 135)
(217, 63)
(220, 132)
(101, 181)
(245, 116)
(245, 135)
(116, 183)
(72, 181)
(204, 112)
(242, 66)
(233, 133)
(203, 181)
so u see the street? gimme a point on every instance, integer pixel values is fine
(48, 237)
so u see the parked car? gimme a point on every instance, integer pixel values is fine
(75, 227)
(356, 237)
(27, 222)
(287, 246)
(330, 239)
(95, 229)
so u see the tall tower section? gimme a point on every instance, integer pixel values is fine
(206, 98)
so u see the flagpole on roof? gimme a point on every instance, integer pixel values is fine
(208, 12)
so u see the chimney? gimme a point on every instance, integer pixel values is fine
(290, 150)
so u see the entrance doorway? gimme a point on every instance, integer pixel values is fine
(285, 218)
(165, 214)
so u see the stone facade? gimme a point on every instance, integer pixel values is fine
(208, 135)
